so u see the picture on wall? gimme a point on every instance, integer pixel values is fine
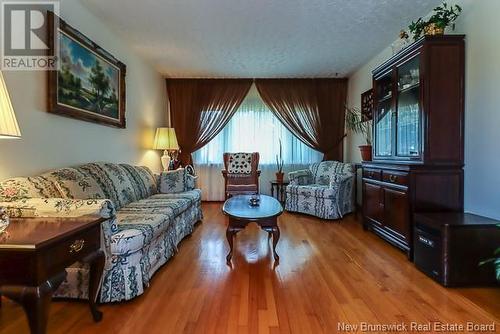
(89, 83)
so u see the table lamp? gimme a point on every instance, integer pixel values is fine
(8, 130)
(166, 140)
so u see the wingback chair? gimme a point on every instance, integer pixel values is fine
(241, 174)
(325, 190)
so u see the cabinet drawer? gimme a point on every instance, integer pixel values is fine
(374, 174)
(400, 178)
(72, 249)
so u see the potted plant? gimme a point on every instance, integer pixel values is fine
(442, 17)
(354, 123)
(279, 165)
(495, 260)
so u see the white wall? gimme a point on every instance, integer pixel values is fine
(51, 141)
(479, 22)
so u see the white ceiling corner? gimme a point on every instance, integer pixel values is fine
(258, 38)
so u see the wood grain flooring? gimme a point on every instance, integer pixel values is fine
(329, 274)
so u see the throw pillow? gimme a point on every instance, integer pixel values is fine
(173, 181)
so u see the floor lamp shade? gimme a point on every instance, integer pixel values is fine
(8, 123)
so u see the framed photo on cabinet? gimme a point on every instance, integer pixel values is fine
(367, 105)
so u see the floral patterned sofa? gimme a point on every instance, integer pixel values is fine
(325, 190)
(148, 216)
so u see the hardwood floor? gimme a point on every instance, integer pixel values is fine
(328, 273)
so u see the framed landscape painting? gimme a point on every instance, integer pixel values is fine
(89, 83)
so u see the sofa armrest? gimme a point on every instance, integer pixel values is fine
(343, 185)
(300, 177)
(191, 182)
(59, 207)
(71, 208)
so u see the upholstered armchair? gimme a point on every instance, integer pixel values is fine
(325, 190)
(241, 174)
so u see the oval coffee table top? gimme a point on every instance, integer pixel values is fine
(240, 208)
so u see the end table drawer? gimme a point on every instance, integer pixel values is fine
(73, 249)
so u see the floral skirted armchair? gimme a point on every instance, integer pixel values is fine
(325, 190)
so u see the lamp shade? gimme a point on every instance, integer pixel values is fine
(8, 122)
(165, 139)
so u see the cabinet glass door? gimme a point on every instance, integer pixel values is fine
(408, 114)
(383, 118)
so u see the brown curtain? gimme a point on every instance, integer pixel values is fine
(312, 109)
(200, 108)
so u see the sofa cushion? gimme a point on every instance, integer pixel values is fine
(143, 180)
(74, 184)
(312, 190)
(192, 195)
(114, 181)
(167, 206)
(141, 221)
(136, 230)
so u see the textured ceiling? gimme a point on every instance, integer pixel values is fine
(258, 38)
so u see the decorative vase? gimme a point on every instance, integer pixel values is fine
(432, 29)
(366, 152)
(279, 177)
(399, 45)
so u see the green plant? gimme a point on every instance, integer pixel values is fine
(354, 123)
(279, 159)
(495, 260)
(443, 17)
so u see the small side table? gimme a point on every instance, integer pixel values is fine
(280, 190)
(449, 246)
(34, 253)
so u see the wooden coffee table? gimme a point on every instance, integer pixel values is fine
(241, 213)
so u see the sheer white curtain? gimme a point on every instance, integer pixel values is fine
(253, 128)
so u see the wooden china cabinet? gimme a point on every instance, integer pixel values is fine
(418, 138)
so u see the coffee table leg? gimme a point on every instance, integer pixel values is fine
(276, 238)
(230, 232)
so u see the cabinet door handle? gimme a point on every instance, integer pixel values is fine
(76, 246)
(393, 178)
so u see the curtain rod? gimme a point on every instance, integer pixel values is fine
(254, 79)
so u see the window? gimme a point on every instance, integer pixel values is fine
(254, 128)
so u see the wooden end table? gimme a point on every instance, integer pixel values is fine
(448, 247)
(241, 213)
(34, 253)
(280, 190)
